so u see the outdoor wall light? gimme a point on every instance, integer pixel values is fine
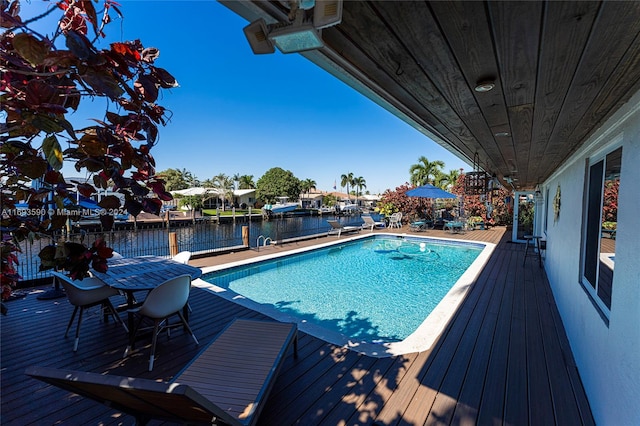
(296, 38)
(298, 35)
(257, 35)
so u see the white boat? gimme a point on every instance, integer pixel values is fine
(281, 206)
(347, 207)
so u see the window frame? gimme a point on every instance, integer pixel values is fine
(589, 214)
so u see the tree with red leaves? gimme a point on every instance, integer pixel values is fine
(413, 208)
(499, 212)
(44, 79)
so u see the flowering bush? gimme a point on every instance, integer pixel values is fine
(386, 209)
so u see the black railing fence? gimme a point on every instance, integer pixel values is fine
(201, 238)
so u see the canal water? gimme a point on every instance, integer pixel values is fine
(200, 238)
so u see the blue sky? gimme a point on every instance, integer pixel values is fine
(236, 112)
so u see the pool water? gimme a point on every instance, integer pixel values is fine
(373, 290)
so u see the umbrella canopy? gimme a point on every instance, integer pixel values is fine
(429, 191)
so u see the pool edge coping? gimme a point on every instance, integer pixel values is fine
(422, 339)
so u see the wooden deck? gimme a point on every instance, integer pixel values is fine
(503, 359)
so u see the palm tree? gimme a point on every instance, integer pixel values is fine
(306, 186)
(346, 180)
(447, 180)
(236, 180)
(359, 183)
(425, 171)
(246, 182)
(189, 178)
(224, 187)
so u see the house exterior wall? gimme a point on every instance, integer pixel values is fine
(607, 353)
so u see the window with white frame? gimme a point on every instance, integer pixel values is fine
(600, 226)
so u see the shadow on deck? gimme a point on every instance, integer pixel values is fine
(504, 358)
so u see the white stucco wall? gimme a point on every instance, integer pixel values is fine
(607, 356)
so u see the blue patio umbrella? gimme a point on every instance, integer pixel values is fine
(429, 191)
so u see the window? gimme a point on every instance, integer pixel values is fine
(600, 226)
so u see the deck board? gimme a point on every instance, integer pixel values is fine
(504, 358)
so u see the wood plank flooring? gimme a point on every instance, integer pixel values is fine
(503, 359)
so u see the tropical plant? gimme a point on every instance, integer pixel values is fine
(447, 180)
(306, 186)
(346, 180)
(277, 182)
(246, 182)
(191, 202)
(329, 200)
(386, 208)
(425, 171)
(223, 185)
(46, 78)
(413, 207)
(191, 179)
(359, 183)
(175, 179)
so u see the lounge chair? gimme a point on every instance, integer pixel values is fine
(246, 358)
(337, 227)
(454, 227)
(370, 223)
(420, 225)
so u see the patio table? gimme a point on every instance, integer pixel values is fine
(144, 273)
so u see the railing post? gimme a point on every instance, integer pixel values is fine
(245, 236)
(173, 244)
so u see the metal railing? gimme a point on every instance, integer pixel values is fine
(201, 238)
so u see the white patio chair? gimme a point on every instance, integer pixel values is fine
(395, 220)
(183, 257)
(83, 294)
(163, 302)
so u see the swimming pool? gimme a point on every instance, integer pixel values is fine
(381, 295)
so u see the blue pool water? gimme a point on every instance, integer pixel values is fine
(376, 289)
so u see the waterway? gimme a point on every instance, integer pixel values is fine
(200, 238)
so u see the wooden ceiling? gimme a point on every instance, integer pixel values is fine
(560, 69)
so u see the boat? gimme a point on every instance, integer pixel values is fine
(281, 206)
(347, 207)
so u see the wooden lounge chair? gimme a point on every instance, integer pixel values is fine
(229, 381)
(337, 227)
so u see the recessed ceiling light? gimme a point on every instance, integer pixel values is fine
(484, 86)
